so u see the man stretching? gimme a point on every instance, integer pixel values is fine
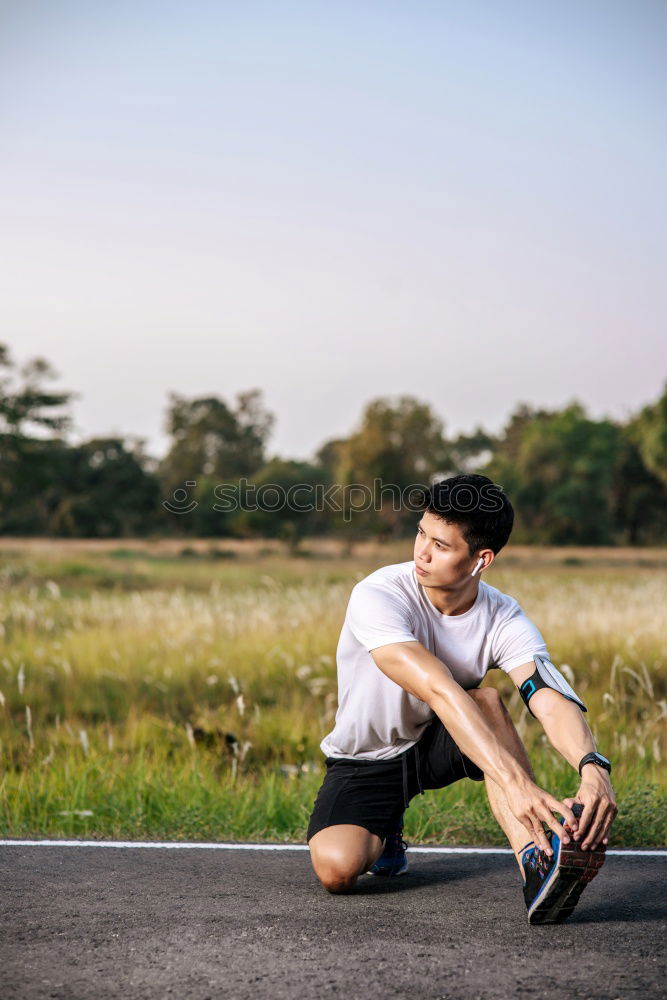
(417, 640)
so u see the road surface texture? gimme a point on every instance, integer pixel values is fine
(81, 923)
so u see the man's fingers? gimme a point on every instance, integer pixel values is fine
(594, 826)
(584, 822)
(552, 822)
(611, 816)
(599, 826)
(540, 837)
(568, 826)
(565, 809)
(550, 805)
(533, 822)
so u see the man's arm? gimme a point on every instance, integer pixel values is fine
(420, 673)
(567, 731)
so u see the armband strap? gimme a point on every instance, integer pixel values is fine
(547, 676)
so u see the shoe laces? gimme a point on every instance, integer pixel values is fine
(537, 859)
(394, 843)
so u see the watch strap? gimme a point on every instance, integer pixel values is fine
(594, 758)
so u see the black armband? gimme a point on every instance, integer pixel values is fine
(547, 676)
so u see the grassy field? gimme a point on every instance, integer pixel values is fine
(180, 690)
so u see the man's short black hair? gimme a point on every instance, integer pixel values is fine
(478, 505)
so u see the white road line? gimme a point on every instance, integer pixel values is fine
(193, 845)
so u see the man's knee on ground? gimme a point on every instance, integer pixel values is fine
(337, 883)
(336, 872)
(488, 700)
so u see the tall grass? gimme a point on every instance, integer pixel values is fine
(158, 697)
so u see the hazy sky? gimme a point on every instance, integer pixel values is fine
(464, 201)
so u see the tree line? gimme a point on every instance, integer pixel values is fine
(572, 479)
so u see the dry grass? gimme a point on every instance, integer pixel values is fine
(143, 694)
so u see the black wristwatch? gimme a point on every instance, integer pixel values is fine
(595, 758)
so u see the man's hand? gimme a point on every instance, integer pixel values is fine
(532, 806)
(597, 797)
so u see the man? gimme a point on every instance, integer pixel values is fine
(417, 640)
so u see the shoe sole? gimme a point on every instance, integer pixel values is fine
(560, 894)
(402, 871)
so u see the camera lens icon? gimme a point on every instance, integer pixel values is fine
(179, 502)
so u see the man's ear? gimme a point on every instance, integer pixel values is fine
(488, 555)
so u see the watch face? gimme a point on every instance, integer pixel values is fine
(595, 758)
(600, 760)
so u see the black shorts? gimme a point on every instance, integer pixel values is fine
(374, 793)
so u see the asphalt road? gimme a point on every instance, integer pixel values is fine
(78, 923)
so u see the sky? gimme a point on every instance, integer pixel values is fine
(460, 201)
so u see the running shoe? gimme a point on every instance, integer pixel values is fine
(392, 861)
(554, 884)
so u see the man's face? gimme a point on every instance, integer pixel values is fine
(442, 557)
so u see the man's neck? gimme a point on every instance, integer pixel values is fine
(453, 602)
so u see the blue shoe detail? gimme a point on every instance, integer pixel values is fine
(392, 861)
(539, 870)
(554, 884)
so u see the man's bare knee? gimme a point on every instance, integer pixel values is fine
(339, 854)
(336, 882)
(488, 699)
(336, 874)
(491, 704)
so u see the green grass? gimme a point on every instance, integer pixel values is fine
(151, 695)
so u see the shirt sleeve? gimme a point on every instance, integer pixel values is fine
(517, 641)
(377, 617)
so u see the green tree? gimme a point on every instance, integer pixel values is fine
(33, 481)
(284, 509)
(108, 494)
(31, 467)
(558, 470)
(638, 498)
(329, 457)
(648, 430)
(30, 406)
(399, 443)
(471, 452)
(213, 441)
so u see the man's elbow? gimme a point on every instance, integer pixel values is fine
(420, 675)
(438, 692)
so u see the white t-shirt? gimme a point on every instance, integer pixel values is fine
(376, 718)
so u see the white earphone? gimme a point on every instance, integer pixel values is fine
(480, 563)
